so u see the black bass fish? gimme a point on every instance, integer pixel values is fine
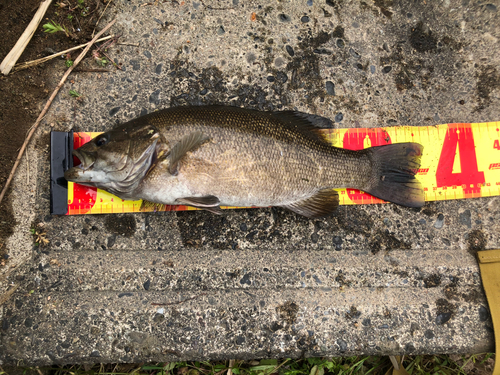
(216, 155)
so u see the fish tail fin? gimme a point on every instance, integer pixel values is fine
(393, 174)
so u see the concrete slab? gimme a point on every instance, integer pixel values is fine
(263, 283)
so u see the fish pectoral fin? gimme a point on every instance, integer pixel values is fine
(208, 203)
(321, 204)
(189, 143)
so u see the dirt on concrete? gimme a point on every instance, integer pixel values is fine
(23, 93)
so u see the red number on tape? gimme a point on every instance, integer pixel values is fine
(496, 144)
(459, 137)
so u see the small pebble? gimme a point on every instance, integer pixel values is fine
(340, 43)
(386, 69)
(314, 239)
(330, 88)
(439, 222)
(220, 30)
(337, 241)
(443, 318)
(339, 117)
(113, 112)
(154, 98)
(354, 54)
(342, 345)
(270, 78)
(284, 18)
(483, 314)
(465, 218)
(304, 19)
(290, 50)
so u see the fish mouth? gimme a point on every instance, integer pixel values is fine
(76, 174)
(86, 160)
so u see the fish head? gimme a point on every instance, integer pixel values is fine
(116, 161)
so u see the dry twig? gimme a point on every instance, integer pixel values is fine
(128, 44)
(15, 53)
(27, 64)
(47, 106)
(104, 11)
(230, 367)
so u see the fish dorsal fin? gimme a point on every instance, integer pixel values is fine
(188, 143)
(321, 204)
(209, 203)
(307, 124)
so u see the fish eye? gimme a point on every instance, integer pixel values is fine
(101, 141)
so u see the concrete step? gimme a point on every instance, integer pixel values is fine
(127, 306)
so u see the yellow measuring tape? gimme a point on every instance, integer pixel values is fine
(459, 161)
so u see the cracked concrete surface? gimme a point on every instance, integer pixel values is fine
(263, 283)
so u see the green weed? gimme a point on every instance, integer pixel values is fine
(360, 365)
(53, 27)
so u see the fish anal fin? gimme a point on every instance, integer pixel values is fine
(208, 203)
(321, 204)
(188, 143)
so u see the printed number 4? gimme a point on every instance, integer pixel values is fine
(461, 138)
(496, 144)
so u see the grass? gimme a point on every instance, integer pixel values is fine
(477, 364)
(53, 27)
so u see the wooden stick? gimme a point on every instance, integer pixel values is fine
(230, 367)
(23, 41)
(97, 23)
(47, 106)
(27, 64)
